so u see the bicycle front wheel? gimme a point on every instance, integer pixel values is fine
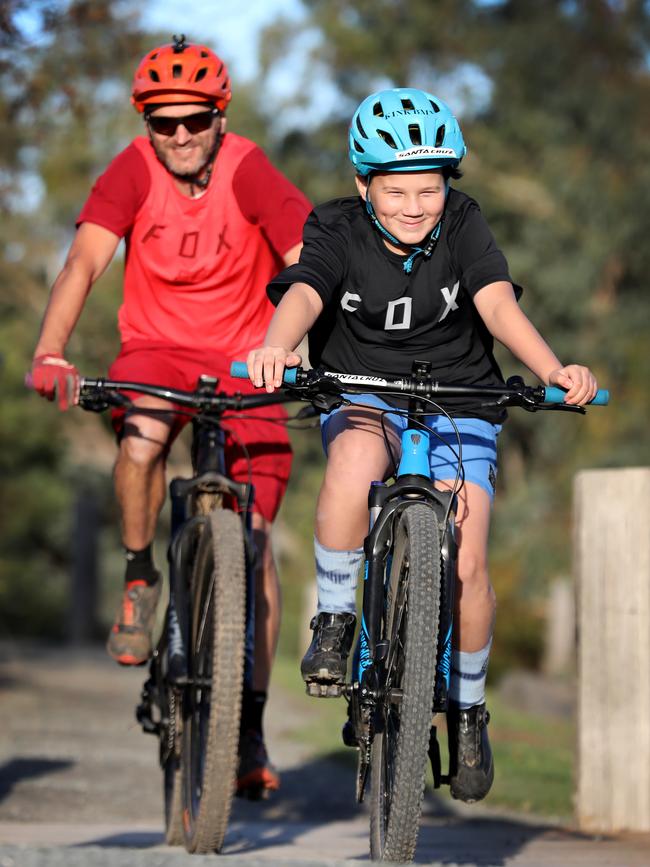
(213, 698)
(400, 748)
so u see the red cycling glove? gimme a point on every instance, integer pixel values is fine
(56, 379)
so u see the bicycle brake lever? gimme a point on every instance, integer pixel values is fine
(562, 407)
(98, 401)
(327, 402)
(93, 404)
(318, 396)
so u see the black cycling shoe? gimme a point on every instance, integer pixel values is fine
(324, 666)
(471, 768)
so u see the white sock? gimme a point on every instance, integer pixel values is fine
(468, 673)
(336, 576)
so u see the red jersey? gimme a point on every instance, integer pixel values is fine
(196, 270)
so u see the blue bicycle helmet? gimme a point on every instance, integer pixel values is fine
(404, 130)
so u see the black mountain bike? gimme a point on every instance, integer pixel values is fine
(401, 667)
(192, 698)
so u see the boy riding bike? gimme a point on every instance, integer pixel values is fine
(407, 270)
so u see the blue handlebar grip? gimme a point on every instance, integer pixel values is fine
(239, 370)
(552, 394)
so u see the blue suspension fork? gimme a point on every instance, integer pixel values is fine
(414, 463)
(413, 475)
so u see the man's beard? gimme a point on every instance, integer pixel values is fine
(185, 175)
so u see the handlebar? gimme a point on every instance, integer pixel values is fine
(97, 394)
(514, 393)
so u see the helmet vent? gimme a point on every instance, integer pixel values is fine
(204, 53)
(153, 75)
(220, 70)
(357, 146)
(407, 105)
(153, 56)
(361, 129)
(201, 73)
(177, 70)
(440, 135)
(414, 132)
(377, 110)
(387, 137)
(434, 106)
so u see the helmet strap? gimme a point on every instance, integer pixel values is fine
(426, 250)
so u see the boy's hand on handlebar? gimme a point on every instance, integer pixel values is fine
(266, 365)
(56, 379)
(579, 382)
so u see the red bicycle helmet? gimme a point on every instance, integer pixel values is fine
(181, 73)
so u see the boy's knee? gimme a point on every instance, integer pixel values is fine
(472, 572)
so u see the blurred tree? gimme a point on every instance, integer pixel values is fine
(64, 70)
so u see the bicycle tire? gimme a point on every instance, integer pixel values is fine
(173, 802)
(400, 750)
(169, 757)
(211, 715)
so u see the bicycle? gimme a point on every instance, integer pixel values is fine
(192, 698)
(402, 663)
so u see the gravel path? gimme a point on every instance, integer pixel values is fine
(80, 785)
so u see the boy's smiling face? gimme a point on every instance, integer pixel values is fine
(408, 204)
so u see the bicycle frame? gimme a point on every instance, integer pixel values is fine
(191, 501)
(413, 482)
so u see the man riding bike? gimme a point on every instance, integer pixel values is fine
(207, 222)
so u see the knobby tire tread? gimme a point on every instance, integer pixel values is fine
(221, 555)
(395, 839)
(174, 835)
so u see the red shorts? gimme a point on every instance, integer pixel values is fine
(267, 442)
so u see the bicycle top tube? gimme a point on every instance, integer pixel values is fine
(303, 384)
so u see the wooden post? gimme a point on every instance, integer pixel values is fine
(612, 563)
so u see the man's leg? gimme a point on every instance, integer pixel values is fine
(256, 773)
(140, 490)
(268, 603)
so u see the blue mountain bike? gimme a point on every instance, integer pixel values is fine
(401, 668)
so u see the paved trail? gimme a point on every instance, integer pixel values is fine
(80, 785)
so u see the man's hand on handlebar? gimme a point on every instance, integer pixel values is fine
(55, 379)
(266, 365)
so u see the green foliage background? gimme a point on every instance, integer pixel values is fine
(551, 98)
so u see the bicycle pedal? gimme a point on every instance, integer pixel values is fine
(321, 689)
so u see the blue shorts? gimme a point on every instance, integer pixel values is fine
(478, 438)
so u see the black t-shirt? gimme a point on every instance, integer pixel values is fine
(377, 319)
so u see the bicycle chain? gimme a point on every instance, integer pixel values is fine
(171, 731)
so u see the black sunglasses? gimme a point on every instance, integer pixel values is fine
(193, 123)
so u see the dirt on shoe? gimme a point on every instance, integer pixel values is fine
(324, 666)
(130, 639)
(471, 771)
